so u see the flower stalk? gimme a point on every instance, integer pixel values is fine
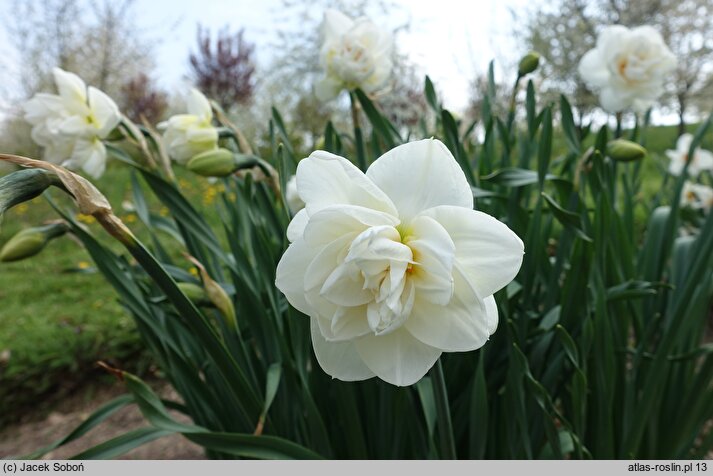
(445, 426)
(358, 137)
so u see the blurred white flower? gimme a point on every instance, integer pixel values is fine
(702, 159)
(354, 54)
(394, 266)
(71, 125)
(627, 67)
(292, 197)
(187, 135)
(697, 196)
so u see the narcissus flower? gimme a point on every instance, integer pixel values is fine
(354, 54)
(394, 266)
(292, 197)
(187, 135)
(627, 67)
(697, 196)
(72, 124)
(701, 160)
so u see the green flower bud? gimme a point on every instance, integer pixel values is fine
(31, 241)
(221, 300)
(194, 292)
(528, 63)
(625, 150)
(213, 163)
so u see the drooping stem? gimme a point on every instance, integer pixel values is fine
(358, 139)
(445, 426)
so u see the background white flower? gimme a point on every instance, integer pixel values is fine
(187, 135)
(354, 54)
(292, 197)
(702, 159)
(71, 125)
(627, 67)
(394, 266)
(697, 196)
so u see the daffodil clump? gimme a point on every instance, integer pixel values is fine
(409, 294)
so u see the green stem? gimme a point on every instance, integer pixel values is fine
(358, 139)
(445, 427)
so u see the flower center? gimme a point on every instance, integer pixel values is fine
(375, 272)
(384, 263)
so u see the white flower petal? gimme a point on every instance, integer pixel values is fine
(294, 202)
(198, 105)
(613, 100)
(593, 70)
(433, 254)
(463, 324)
(333, 222)
(290, 274)
(75, 126)
(104, 111)
(296, 228)
(397, 357)
(335, 24)
(704, 159)
(327, 89)
(338, 359)
(345, 287)
(88, 155)
(325, 179)
(489, 252)
(70, 87)
(43, 107)
(683, 143)
(323, 263)
(421, 175)
(491, 308)
(348, 323)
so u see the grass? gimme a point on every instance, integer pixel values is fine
(58, 317)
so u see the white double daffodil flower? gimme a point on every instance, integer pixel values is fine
(71, 125)
(187, 135)
(394, 266)
(700, 161)
(354, 54)
(628, 67)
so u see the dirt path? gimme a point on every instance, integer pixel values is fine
(26, 437)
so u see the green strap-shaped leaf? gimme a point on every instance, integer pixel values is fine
(122, 444)
(237, 444)
(99, 415)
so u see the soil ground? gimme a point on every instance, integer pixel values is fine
(25, 437)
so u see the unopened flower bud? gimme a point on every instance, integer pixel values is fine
(30, 242)
(221, 300)
(528, 63)
(625, 150)
(194, 292)
(213, 163)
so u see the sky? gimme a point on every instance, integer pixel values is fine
(450, 40)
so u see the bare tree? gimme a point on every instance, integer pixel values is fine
(224, 69)
(46, 34)
(98, 40)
